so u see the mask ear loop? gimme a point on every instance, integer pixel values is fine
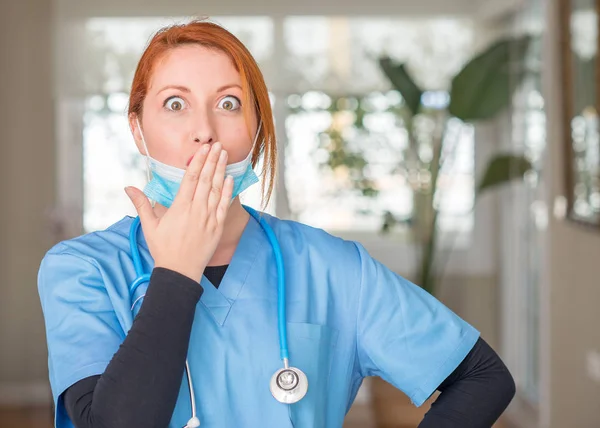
(254, 142)
(249, 157)
(256, 136)
(147, 157)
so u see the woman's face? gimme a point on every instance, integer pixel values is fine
(194, 97)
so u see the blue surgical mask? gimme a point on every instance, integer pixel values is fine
(166, 179)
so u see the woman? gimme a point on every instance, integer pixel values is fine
(199, 111)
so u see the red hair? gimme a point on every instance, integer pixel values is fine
(254, 88)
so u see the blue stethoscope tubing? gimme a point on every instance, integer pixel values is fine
(289, 384)
(142, 278)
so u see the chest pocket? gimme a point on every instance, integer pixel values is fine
(311, 349)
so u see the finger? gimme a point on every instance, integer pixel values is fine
(206, 177)
(214, 195)
(225, 201)
(192, 175)
(143, 208)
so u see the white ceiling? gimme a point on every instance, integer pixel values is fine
(486, 9)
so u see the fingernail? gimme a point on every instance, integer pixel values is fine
(223, 156)
(205, 148)
(128, 191)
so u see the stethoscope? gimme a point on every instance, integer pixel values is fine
(288, 384)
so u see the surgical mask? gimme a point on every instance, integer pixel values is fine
(164, 184)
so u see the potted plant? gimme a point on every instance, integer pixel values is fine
(479, 92)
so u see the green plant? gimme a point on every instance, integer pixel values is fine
(480, 91)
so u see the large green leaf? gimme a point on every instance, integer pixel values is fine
(502, 169)
(403, 83)
(484, 86)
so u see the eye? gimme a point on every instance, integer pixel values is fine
(230, 103)
(174, 103)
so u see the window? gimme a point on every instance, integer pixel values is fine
(345, 160)
(342, 112)
(525, 222)
(324, 79)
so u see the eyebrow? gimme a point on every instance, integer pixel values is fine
(231, 85)
(180, 88)
(187, 90)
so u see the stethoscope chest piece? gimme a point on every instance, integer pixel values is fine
(289, 385)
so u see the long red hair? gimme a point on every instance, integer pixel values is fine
(253, 84)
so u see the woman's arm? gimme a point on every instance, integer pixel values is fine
(139, 387)
(475, 394)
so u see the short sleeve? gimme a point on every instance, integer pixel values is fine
(405, 335)
(82, 329)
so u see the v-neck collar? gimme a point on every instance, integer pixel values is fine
(218, 301)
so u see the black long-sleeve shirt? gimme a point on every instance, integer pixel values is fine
(150, 364)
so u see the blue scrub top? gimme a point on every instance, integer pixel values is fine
(348, 317)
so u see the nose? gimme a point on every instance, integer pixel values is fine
(209, 140)
(203, 130)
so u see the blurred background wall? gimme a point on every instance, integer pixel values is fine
(28, 163)
(519, 270)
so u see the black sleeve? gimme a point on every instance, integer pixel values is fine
(140, 385)
(475, 394)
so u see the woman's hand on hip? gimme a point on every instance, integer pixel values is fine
(185, 238)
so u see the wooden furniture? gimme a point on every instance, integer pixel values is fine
(580, 86)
